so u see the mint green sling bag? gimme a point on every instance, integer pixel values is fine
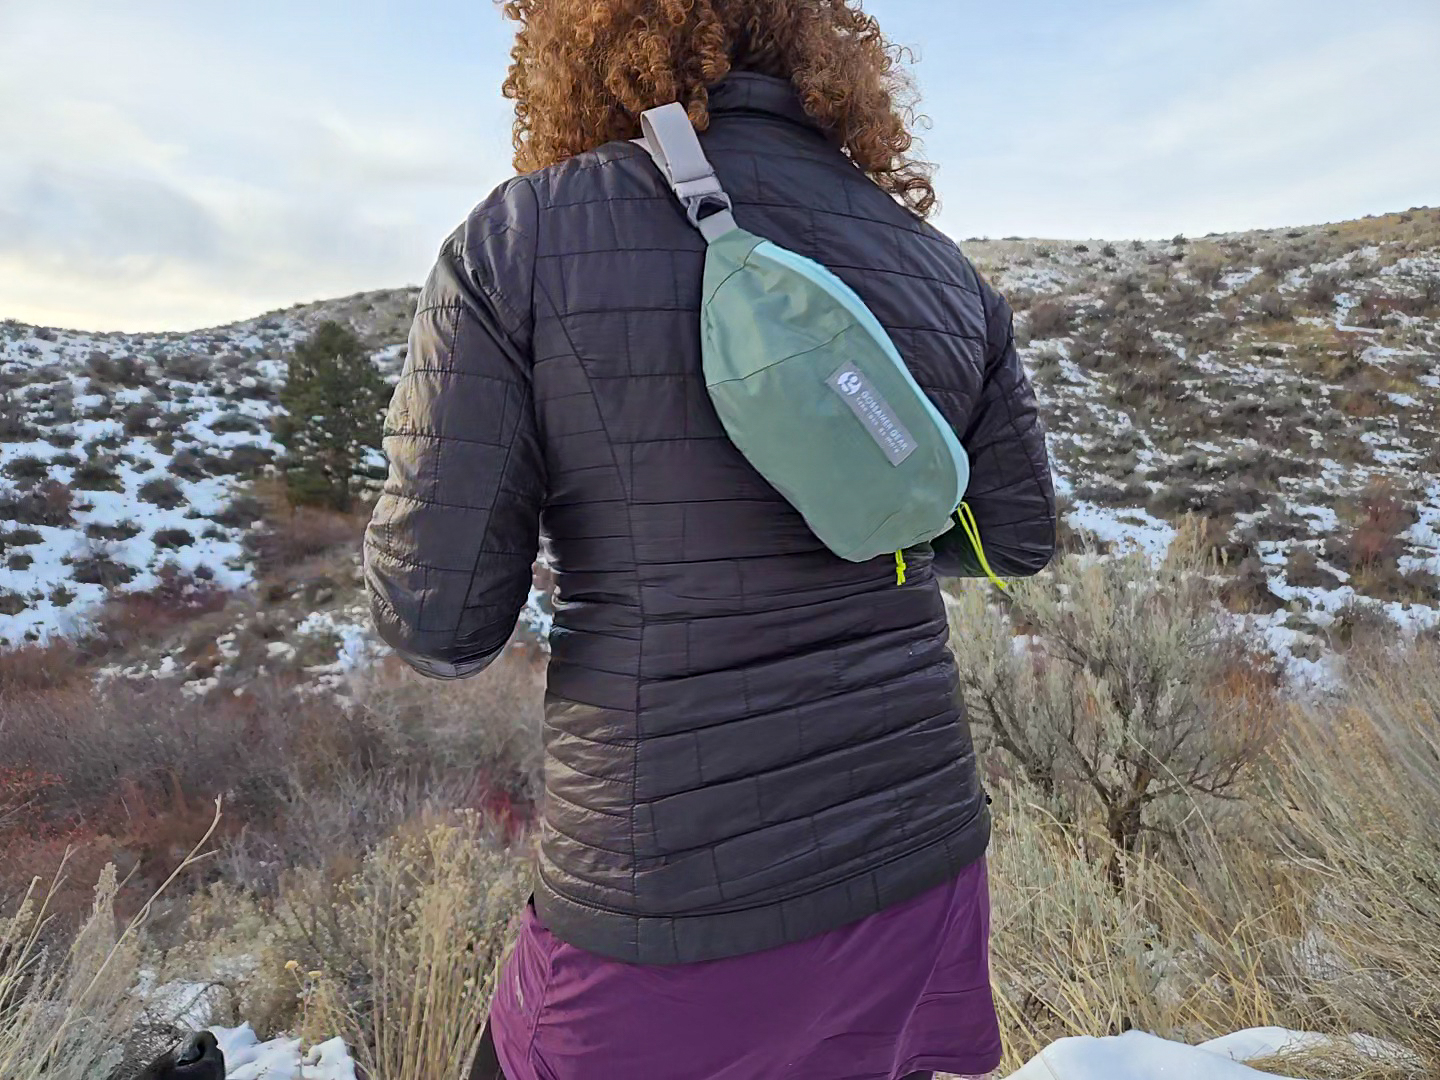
(807, 382)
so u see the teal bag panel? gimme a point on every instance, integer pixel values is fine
(776, 330)
(807, 382)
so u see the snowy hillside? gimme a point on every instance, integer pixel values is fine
(1283, 384)
(124, 457)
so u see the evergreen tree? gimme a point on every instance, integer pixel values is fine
(335, 400)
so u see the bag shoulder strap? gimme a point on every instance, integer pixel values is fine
(671, 140)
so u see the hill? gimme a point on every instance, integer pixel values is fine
(1282, 384)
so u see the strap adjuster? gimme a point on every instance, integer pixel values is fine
(715, 202)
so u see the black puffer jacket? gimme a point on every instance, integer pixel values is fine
(749, 741)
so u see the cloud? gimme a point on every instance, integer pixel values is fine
(197, 185)
(166, 164)
(63, 214)
(1212, 116)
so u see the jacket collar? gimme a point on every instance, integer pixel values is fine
(748, 91)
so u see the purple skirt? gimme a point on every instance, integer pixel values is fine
(906, 990)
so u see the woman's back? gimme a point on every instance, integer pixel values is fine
(749, 741)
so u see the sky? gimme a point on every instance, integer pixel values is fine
(173, 164)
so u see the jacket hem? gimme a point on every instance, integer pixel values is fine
(667, 940)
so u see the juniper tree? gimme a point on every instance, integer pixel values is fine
(334, 400)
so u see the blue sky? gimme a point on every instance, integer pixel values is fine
(169, 164)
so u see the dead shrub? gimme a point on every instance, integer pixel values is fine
(132, 618)
(34, 668)
(1186, 301)
(49, 503)
(97, 473)
(1114, 705)
(172, 538)
(15, 425)
(187, 465)
(122, 530)
(27, 469)
(153, 735)
(1273, 305)
(488, 728)
(97, 566)
(1374, 539)
(106, 370)
(397, 950)
(1377, 309)
(1206, 266)
(141, 417)
(162, 492)
(292, 537)
(1304, 569)
(243, 460)
(1322, 289)
(1051, 318)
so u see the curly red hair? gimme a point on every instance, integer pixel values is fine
(583, 71)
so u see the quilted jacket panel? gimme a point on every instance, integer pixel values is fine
(748, 740)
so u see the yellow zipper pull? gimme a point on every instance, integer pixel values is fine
(966, 517)
(900, 568)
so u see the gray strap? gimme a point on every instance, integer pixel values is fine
(671, 140)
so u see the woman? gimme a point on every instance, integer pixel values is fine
(763, 833)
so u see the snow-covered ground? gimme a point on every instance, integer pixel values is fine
(248, 1058)
(1138, 1056)
(1280, 384)
(121, 456)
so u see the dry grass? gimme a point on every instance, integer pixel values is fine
(64, 1010)
(488, 727)
(36, 668)
(431, 921)
(1073, 954)
(397, 951)
(1361, 824)
(1307, 898)
(294, 534)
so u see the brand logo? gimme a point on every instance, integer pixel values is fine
(873, 412)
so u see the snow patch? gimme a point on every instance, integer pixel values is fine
(247, 1058)
(1127, 530)
(1136, 1055)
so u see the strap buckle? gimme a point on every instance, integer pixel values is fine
(717, 202)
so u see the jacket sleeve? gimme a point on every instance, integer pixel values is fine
(449, 550)
(1011, 493)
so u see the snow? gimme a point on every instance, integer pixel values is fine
(1304, 674)
(247, 1058)
(1131, 1056)
(209, 394)
(357, 644)
(1240, 278)
(1128, 530)
(191, 1005)
(1136, 1055)
(187, 1004)
(1424, 535)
